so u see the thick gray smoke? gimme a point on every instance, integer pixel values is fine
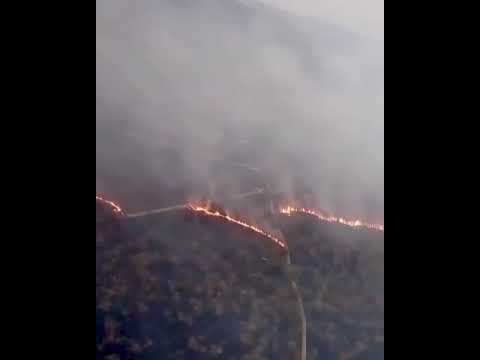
(183, 85)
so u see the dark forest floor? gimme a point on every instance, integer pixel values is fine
(180, 286)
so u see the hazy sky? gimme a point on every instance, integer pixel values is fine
(183, 83)
(363, 16)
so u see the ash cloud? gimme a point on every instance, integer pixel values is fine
(185, 87)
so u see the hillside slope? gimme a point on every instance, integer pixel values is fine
(181, 286)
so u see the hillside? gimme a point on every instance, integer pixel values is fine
(182, 286)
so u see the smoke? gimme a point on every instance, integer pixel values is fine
(185, 87)
(364, 17)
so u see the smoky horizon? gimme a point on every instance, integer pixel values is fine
(215, 98)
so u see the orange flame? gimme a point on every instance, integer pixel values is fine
(207, 211)
(115, 207)
(332, 219)
(288, 210)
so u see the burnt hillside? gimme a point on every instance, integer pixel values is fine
(182, 286)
